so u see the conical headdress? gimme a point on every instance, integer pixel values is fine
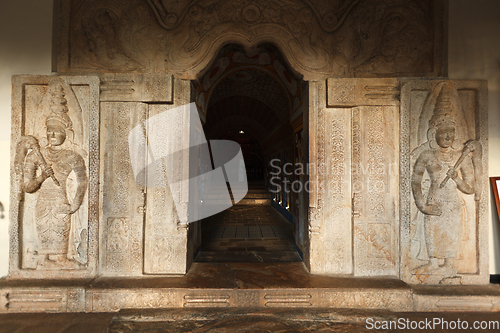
(443, 112)
(59, 115)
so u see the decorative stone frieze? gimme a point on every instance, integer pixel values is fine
(320, 39)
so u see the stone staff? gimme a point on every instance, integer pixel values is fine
(30, 142)
(470, 146)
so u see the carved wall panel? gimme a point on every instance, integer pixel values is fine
(57, 135)
(375, 187)
(354, 151)
(168, 248)
(54, 172)
(443, 185)
(122, 211)
(330, 226)
(320, 39)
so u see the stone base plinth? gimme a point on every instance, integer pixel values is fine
(242, 285)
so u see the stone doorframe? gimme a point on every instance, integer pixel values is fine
(359, 184)
(353, 150)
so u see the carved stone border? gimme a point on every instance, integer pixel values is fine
(18, 122)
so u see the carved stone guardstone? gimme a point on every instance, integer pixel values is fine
(54, 172)
(444, 191)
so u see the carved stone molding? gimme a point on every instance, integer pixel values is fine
(170, 15)
(136, 88)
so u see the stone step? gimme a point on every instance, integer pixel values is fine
(253, 232)
(244, 320)
(254, 201)
(218, 194)
(242, 285)
(263, 194)
(253, 246)
(250, 256)
(216, 284)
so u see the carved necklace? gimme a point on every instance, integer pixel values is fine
(53, 154)
(445, 156)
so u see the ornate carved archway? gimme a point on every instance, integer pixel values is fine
(348, 38)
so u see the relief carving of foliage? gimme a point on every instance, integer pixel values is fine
(320, 39)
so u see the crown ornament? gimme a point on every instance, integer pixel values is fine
(443, 112)
(59, 109)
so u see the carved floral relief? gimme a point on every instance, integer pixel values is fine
(320, 39)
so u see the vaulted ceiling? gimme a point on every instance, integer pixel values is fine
(251, 92)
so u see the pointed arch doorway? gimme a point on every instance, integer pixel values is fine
(253, 98)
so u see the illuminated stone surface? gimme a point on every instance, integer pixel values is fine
(317, 84)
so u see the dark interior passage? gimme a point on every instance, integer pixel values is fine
(253, 98)
(250, 231)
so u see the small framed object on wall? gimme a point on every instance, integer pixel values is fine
(495, 183)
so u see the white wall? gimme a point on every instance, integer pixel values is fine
(474, 53)
(25, 48)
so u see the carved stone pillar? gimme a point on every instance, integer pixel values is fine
(168, 247)
(330, 226)
(122, 221)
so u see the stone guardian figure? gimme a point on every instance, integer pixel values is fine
(450, 170)
(47, 172)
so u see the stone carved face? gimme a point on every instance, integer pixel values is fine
(445, 136)
(55, 135)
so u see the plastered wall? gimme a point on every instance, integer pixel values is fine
(25, 48)
(474, 53)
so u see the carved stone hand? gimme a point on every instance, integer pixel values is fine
(64, 209)
(74, 208)
(47, 172)
(452, 173)
(432, 209)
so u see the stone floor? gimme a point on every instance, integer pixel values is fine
(248, 232)
(285, 320)
(235, 320)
